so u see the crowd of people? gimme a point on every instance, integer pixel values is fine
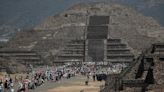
(39, 76)
(6, 84)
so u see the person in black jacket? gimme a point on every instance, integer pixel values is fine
(94, 76)
(6, 86)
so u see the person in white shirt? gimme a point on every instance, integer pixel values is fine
(20, 86)
(11, 89)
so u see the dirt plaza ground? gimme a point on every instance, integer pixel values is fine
(75, 84)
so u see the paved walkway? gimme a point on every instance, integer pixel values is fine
(75, 84)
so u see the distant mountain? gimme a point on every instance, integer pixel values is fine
(6, 32)
(148, 4)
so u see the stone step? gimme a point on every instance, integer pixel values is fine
(120, 57)
(98, 20)
(95, 36)
(115, 55)
(71, 55)
(15, 51)
(116, 44)
(118, 52)
(27, 58)
(73, 49)
(19, 54)
(97, 32)
(77, 40)
(117, 49)
(159, 46)
(120, 60)
(133, 82)
(67, 60)
(159, 50)
(75, 45)
(114, 41)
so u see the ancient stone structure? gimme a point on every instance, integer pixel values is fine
(118, 52)
(140, 76)
(24, 57)
(72, 53)
(97, 45)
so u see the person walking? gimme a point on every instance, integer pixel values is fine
(6, 86)
(20, 86)
(12, 89)
(1, 86)
(11, 85)
(94, 76)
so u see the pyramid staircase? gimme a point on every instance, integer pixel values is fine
(97, 45)
(118, 52)
(72, 53)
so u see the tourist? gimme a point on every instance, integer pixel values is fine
(6, 86)
(82, 90)
(88, 76)
(42, 80)
(11, 86)
(26, 83)
(86, 82)
(12, 89)
(1, 86)
(16, 78)
(6, 78)
(21, 78)
(94, 76)
(20, 87)
(40, 77)
(32, 84)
